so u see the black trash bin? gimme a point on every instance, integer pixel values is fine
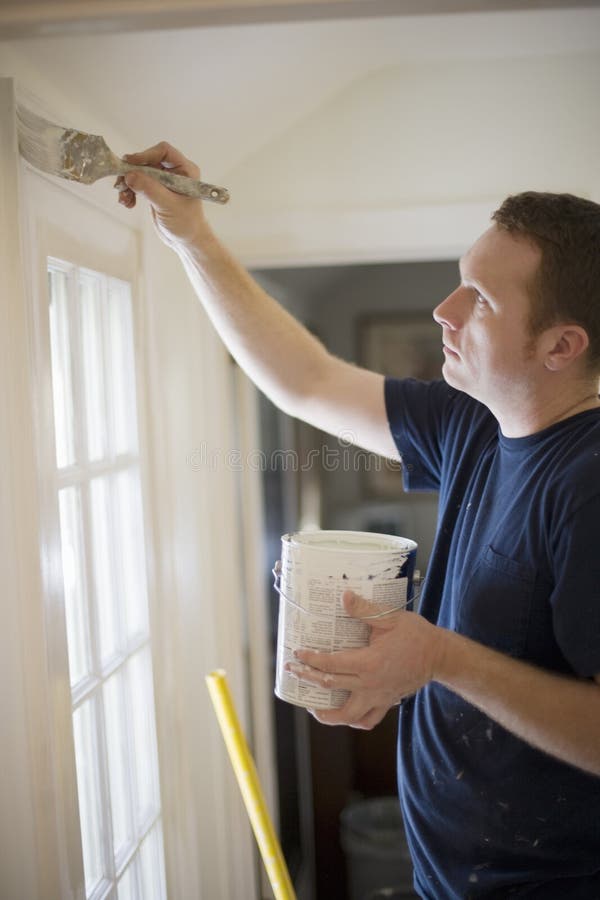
(374, 843)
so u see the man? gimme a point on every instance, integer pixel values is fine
(499, 674)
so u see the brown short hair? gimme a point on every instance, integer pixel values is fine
(567, 286)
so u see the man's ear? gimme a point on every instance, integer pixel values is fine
(565, 344)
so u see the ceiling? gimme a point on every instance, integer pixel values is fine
(224, 92)
(27, 18)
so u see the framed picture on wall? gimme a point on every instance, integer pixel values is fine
(401, 346)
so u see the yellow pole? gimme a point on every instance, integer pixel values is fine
(247, 777)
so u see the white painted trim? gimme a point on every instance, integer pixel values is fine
(74, 237)
(101, 194)
(44, 16)
(229, 593)
(210, 850)
(257, 600)
(35, 801)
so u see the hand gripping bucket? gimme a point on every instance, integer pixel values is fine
(316, 568)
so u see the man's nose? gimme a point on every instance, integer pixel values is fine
(450, 312)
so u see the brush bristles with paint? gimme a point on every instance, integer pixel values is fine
(38, 141)
(85, 158)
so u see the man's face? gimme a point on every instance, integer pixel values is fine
(489, 352)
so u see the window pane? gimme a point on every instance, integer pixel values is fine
(73, 565)
(118, 769)
(105, 587)
(141, 712)
(105, 577)
(130, 536)
(62, 381)
(152, 866)
(90, 302)
(88, 786)
(129, 882)
(122, 368)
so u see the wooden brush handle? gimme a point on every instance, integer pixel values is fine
(181, 184)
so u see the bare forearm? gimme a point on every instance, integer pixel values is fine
(556, 713)
(277, 352)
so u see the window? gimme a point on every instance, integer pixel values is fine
(194, 576)
(104, 581)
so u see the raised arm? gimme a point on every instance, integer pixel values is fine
(282, 357)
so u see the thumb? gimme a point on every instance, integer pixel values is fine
(355, 605)
(374, 614)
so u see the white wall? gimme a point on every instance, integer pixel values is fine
(432, 133)
(199, 621)
(420, 153)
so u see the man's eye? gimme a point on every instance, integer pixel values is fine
(481, 301)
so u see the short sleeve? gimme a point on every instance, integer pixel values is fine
(418, 413)
(576, 597)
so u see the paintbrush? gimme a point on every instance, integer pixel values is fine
(83, 157)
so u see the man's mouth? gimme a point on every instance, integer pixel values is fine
(449, 351)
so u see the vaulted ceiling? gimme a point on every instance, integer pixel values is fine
(222, 92)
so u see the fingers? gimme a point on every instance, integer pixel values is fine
(126, 195)
(335, 717)
(164, 156)
(329, 681)
(161, 198)
(352, 714)
(161, 156)
(340, 661)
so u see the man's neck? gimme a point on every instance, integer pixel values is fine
(537, 414)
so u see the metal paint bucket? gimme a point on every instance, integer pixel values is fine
(316, 568)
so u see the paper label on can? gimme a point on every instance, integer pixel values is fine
(311, 615)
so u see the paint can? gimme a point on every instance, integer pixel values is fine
(316, 568)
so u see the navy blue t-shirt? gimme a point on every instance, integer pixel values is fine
(515, 566)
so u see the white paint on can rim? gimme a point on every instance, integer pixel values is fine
(316, 568)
